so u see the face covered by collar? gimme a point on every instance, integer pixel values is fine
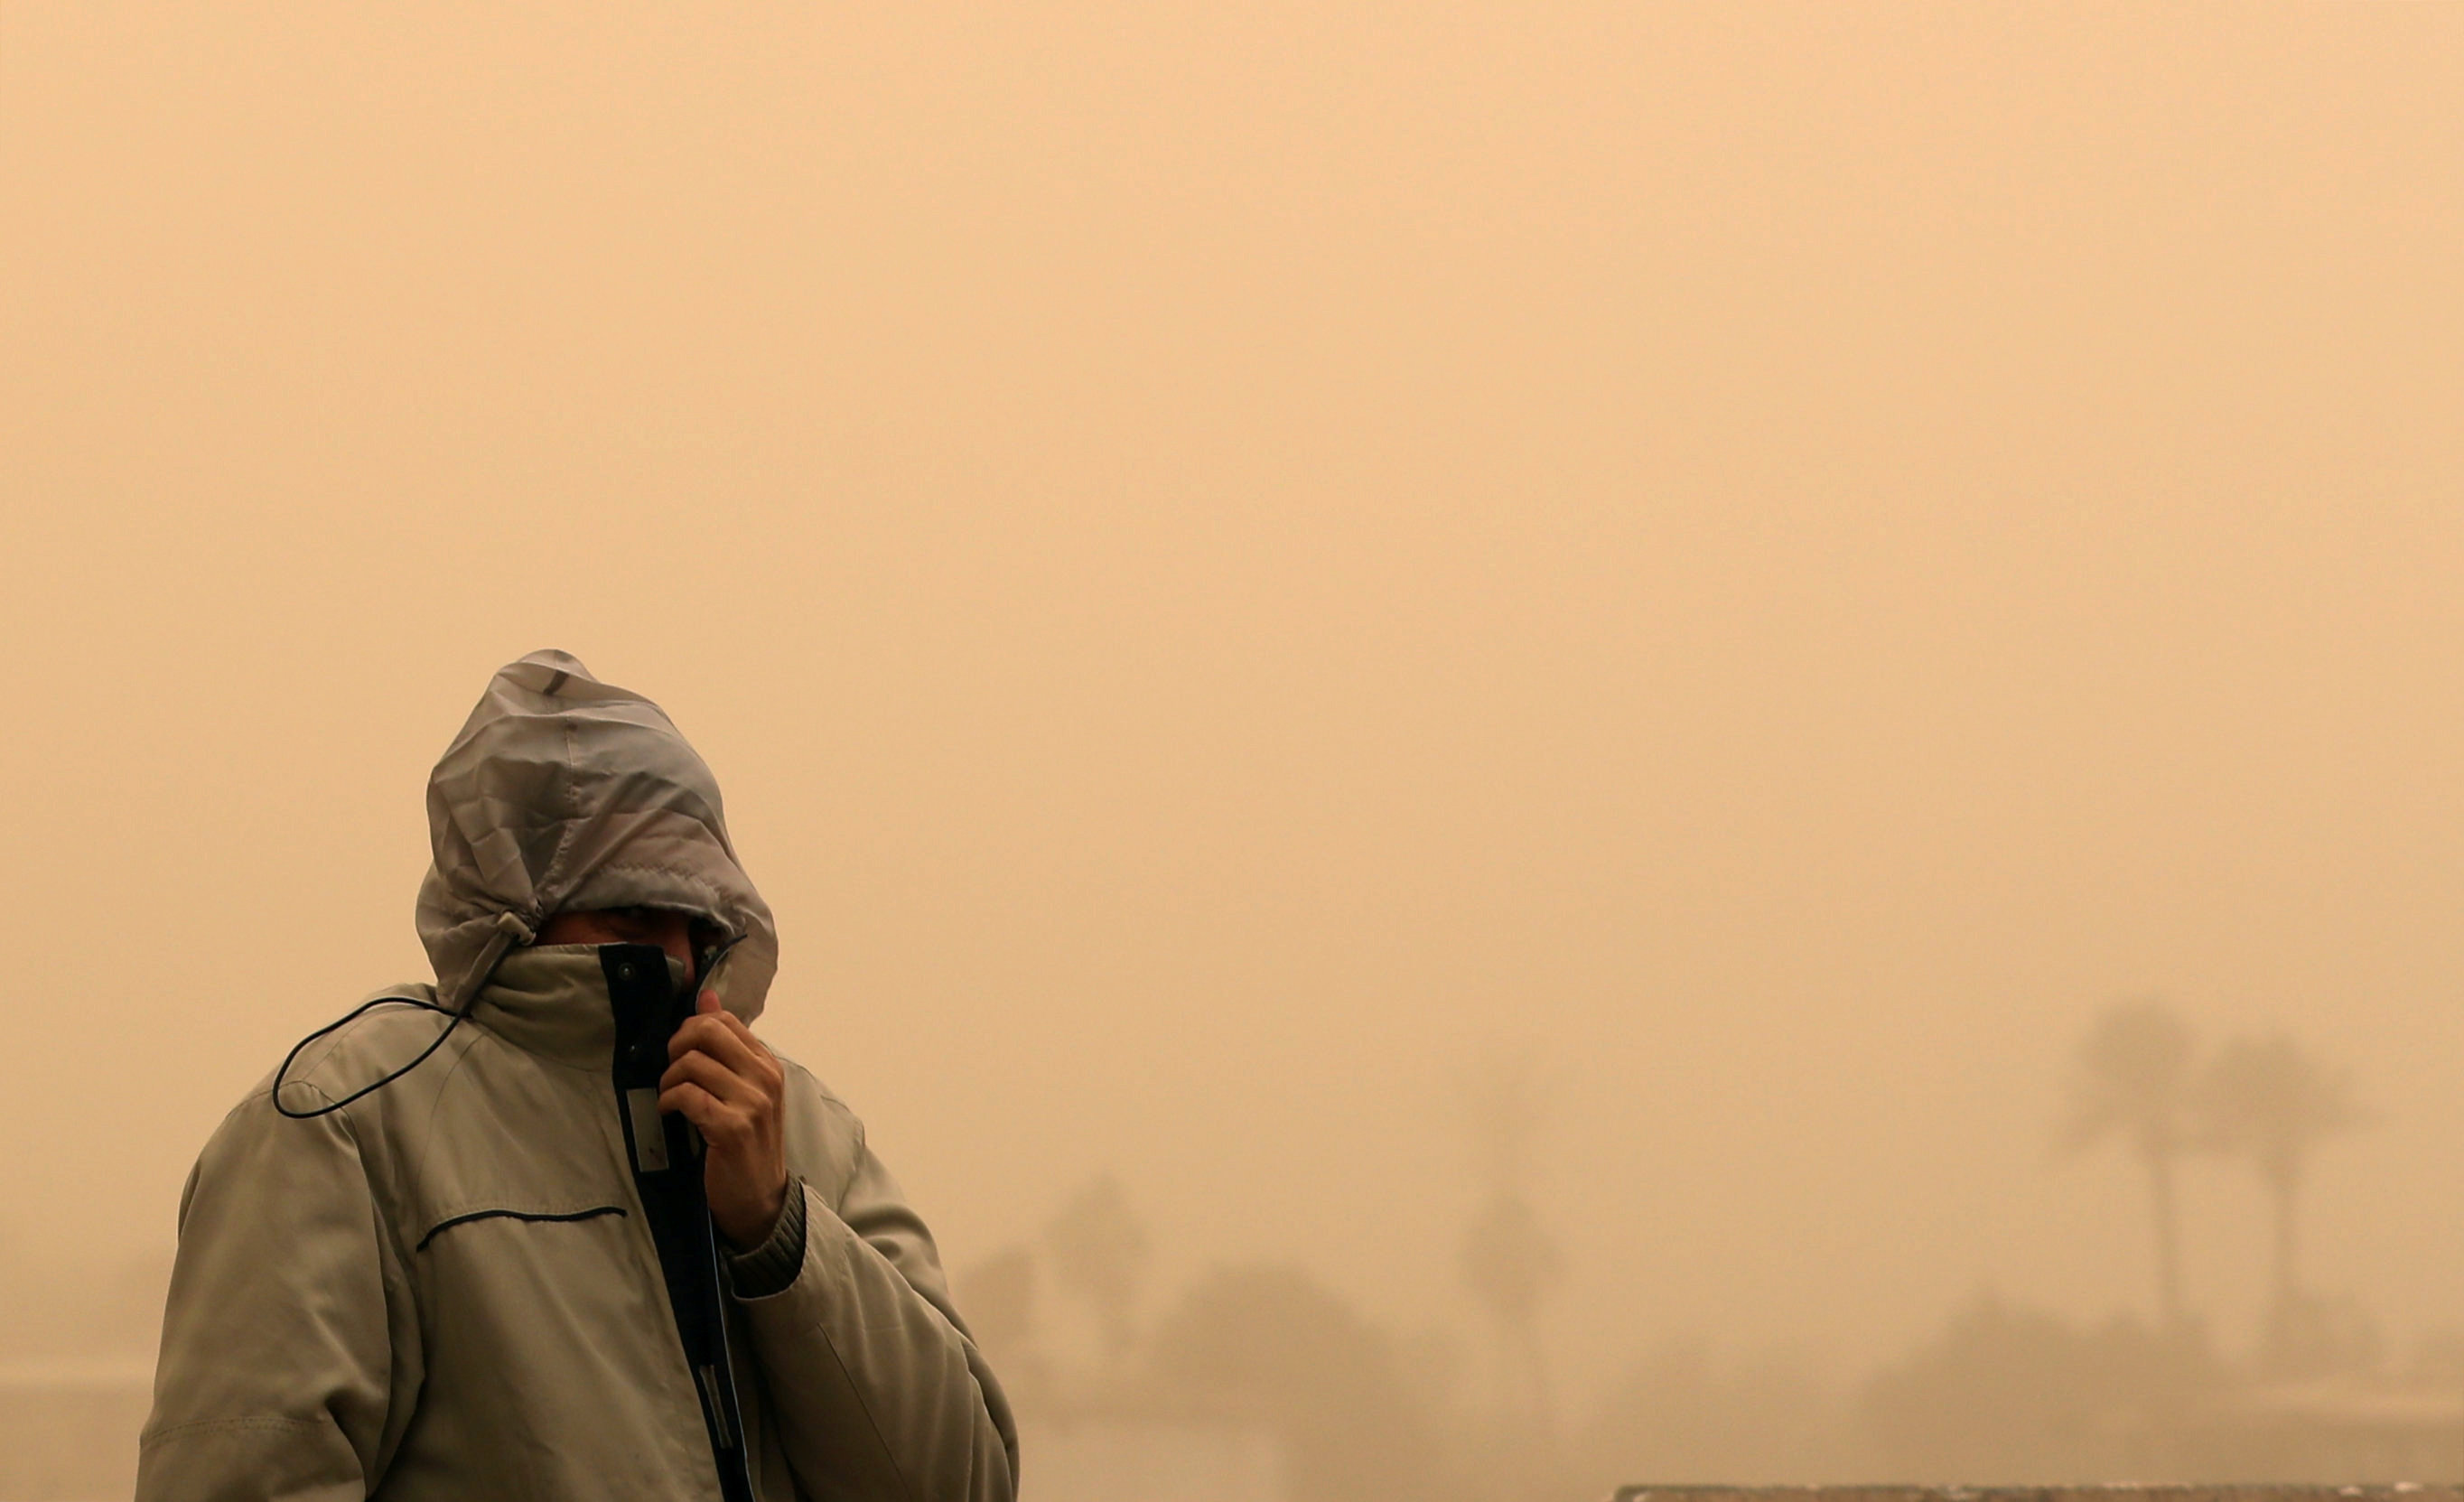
(563, 792)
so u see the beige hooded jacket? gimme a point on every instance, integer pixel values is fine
(414, 1262)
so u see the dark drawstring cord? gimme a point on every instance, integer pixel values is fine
(513, 931)
(356, 1013)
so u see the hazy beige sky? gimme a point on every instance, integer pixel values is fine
(1232, 559)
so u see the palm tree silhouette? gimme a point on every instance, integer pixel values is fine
(1100, 1252)
(2131, 1079)
(1510, 1263)
(2272, 1103)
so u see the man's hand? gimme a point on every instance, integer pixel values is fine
(731, 1087)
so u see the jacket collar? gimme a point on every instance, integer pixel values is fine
(552, 1000)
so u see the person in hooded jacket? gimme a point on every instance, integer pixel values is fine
(560, 1225)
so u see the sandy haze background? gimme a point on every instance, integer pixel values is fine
(1235, 562)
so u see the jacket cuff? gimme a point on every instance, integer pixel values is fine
(771, 1266)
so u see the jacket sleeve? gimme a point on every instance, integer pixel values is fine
(880, 1395)
(276, 1368)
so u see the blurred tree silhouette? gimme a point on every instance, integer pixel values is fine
(1100, 1254)
(2272, 1102)
(2132, 1079)
(1268, 1345)
(999, 1295)
(2011, 1395)
(1681, 1415)
(1001, 1299)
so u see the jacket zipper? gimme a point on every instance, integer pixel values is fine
(665, 1155)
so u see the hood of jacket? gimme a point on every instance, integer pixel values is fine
(564, 792)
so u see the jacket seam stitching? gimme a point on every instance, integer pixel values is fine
(870, 1421)
(435, 1105)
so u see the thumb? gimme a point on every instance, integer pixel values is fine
(706, 1003)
